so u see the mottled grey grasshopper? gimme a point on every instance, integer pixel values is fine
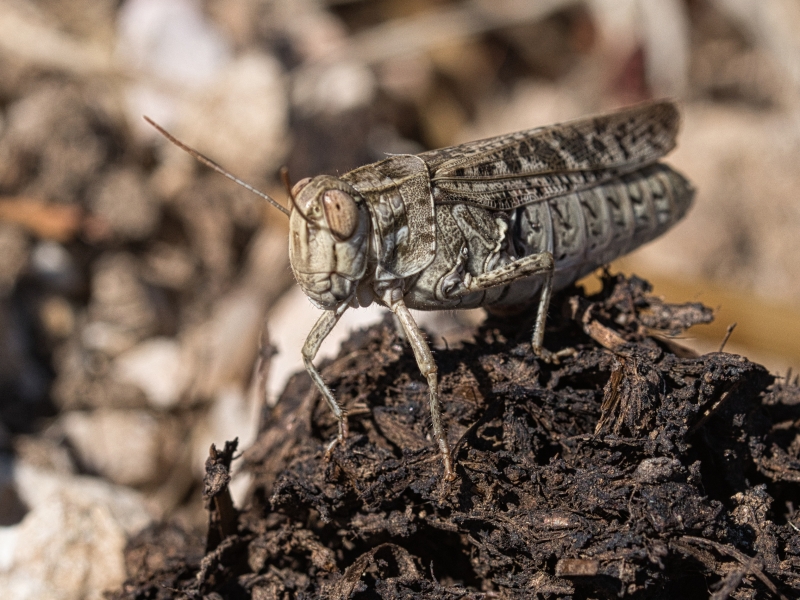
(495, 223)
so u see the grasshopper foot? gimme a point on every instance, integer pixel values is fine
(340, 437)
(553, 358)
(449, 473)
(329, 449)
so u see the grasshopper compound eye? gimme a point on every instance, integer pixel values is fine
(341, 213)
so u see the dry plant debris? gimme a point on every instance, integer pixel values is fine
(635, 472)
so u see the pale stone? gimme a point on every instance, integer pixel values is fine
(157, 367)
(129, 447)
(70, 544)
(242, 117)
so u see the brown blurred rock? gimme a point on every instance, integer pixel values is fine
(168, 266)
(84, 379)
(14, 251)
(122, 199)
(44, 220)
(45, 451)
(742, 229)
(55, 142)
(120, 309)
(57, 317)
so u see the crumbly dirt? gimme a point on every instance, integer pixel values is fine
(632, 469)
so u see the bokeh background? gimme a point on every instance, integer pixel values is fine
(146, 304)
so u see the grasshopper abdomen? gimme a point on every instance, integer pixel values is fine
(587, 229)
(582, 231)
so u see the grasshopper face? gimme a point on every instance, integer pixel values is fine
(328, 239)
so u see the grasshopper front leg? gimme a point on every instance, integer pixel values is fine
(428, 368)
(535, 264)
(319, 332)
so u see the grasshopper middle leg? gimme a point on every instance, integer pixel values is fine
(428, 368)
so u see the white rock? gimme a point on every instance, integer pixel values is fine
(129, 447)
(667, 46)
(108, 338)
(70, 544)
(232, 414)
(172, 39)
(170, 47)
(616, 20)
(531, 104)
(333, 88)
(242, 117)
(158, 367)
(744, 222)
(315, 33)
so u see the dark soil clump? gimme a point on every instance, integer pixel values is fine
(632, 469)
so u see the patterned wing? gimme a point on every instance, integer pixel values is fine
(511, 170)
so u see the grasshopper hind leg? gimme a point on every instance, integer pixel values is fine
(398, 327)
(540, 264)
(537, 341)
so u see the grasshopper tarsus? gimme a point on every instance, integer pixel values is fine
(330, 447)
(546, 355)
(553, 358)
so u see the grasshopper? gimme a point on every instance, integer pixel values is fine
(497, 223)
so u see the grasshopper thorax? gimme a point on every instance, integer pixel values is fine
(328, 239)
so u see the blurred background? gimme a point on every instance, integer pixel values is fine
(145, 302)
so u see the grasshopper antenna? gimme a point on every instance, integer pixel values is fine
(211, 164)
(287, 183)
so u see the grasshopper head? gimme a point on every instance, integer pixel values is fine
(328, 239)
